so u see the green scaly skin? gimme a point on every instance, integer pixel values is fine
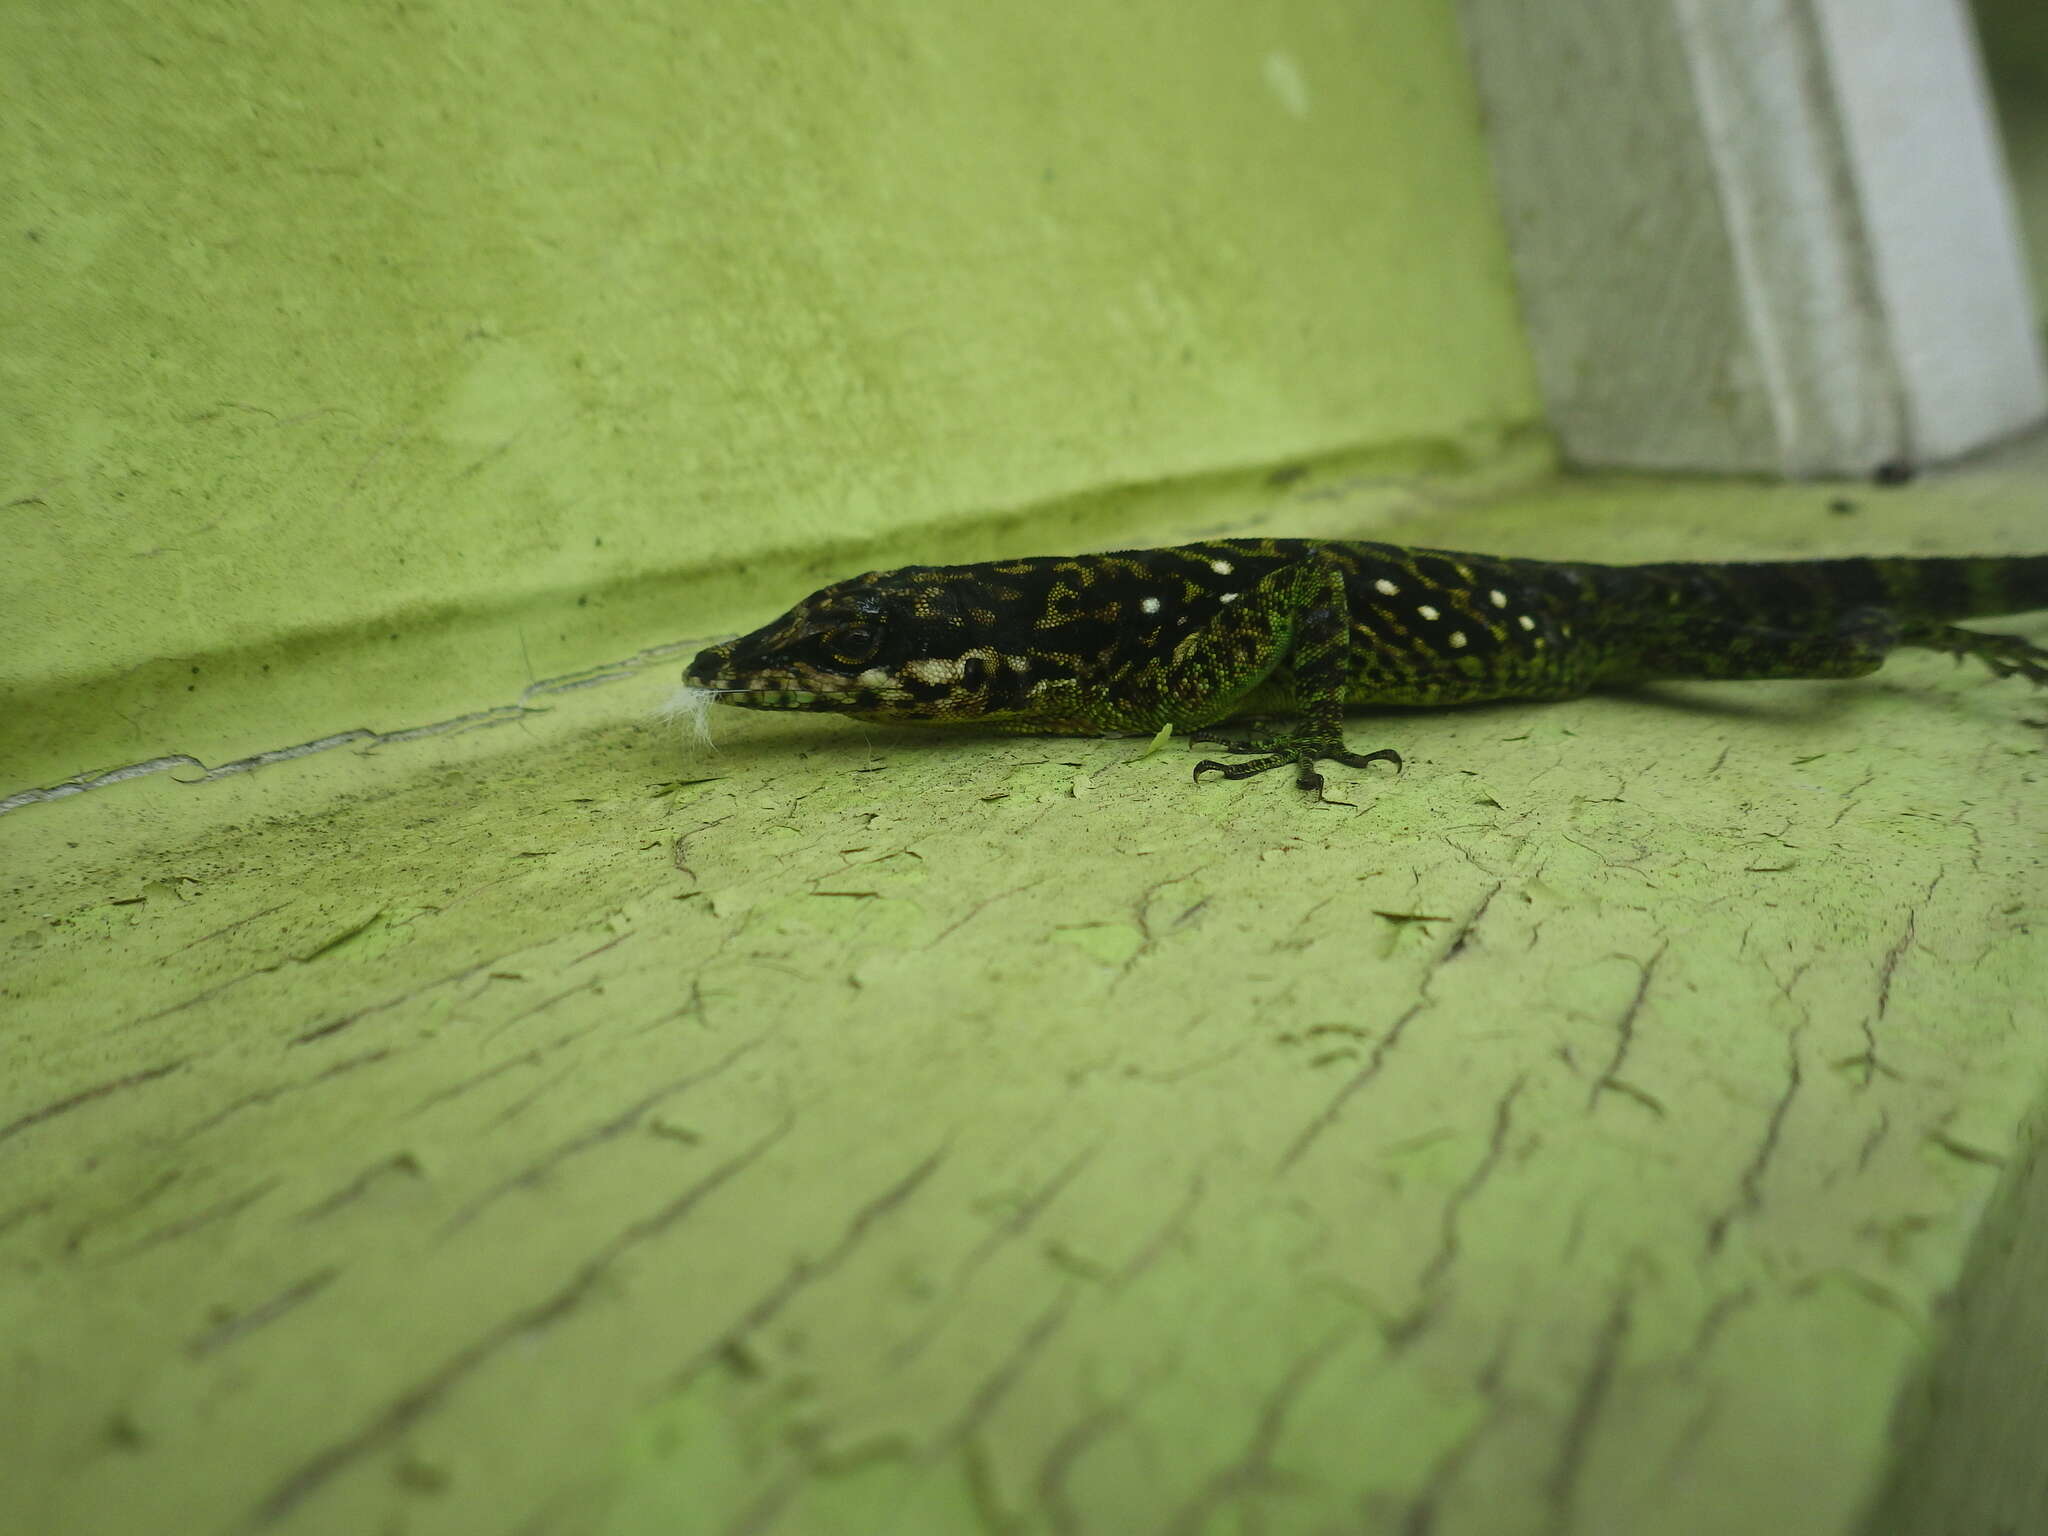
(1198, 634)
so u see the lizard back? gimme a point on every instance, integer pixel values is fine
(1195, 634)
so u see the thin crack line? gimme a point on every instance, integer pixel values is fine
(1365, 1074)
(1625, 1030)
(1496, 1144)
(1750, 1197)
(1252, 1469)
(804, 1272)
(1562, 1486)
(85, 1096)
(426, 1394)
(480, 719)
(620, 1124)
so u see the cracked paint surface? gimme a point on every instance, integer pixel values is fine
(864, 1130)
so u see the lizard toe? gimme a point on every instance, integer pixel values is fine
(1302, 753)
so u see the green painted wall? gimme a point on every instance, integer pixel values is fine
(412, 352)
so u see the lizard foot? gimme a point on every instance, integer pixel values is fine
(2005, 655)
(1302, 751)
(2016, 658)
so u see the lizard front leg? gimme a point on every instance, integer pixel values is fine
(1297, 616)
(2005, 655)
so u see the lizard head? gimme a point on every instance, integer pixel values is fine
(918, 643)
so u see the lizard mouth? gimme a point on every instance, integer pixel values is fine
(770, 698)
(759, 693)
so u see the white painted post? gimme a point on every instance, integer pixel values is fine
(1754, 235)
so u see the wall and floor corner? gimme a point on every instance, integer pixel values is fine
(419, 353)
(535, 1123)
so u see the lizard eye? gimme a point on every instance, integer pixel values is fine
(852, 643)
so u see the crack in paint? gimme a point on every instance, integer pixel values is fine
(234, 1327)
(1420, 1517)
(1253, 1468)
(479, 719)
(1448, 1236)
(1869, 1060)
(221, 1210)
(1750, 1197)
(1020, 1220)
(1365, 1074)
(427, 1393)
(626, 1120)
(85, 1096)
(273, 1091)
(1624, 1041)
(356, 1188)
(1563, 1484)
(804, 1273)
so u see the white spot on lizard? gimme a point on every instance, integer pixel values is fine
(1429, 613)
(1525, 621)
(1386, 588)
(1500, 598)
(1457, 639)
(1150, 605)
(1221, 567)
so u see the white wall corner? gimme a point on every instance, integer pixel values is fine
(1759, 235)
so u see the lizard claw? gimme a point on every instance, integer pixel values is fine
(1303, 755)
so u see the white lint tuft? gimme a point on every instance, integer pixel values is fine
(690, 709)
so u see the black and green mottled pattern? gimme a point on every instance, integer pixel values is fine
(1202, 633)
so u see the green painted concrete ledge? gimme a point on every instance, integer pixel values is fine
(1619, 1123)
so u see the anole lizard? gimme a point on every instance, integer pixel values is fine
(1198, 634)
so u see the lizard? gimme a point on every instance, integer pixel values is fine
(1194, 635)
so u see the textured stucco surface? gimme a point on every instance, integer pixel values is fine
(557, 1130)
(1759, 235)
(2014, 34)
(402, 351)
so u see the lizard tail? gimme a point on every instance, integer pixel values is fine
(1967, 587)
(1936, 589)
